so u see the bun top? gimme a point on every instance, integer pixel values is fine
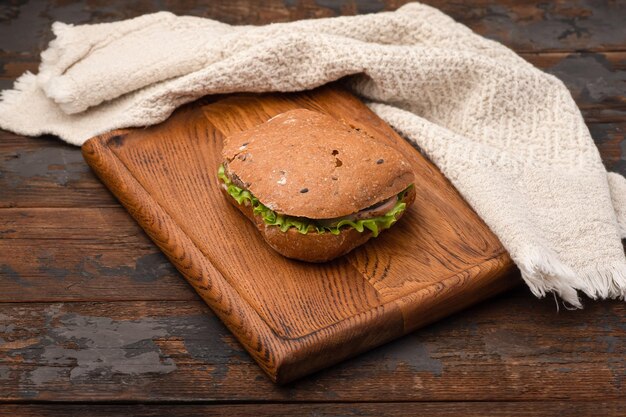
(307, 164)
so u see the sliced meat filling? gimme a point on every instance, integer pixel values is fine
(378, 209)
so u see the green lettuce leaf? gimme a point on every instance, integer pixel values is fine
(304, 225)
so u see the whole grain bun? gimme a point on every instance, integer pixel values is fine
(310, 247)
(307, 164)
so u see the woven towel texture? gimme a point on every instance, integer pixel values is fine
(507, 135)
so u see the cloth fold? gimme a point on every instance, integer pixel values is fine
(507, 135)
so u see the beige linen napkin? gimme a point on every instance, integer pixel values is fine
(507, 135)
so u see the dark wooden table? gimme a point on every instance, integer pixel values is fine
(95, 321)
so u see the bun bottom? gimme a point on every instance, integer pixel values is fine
(310, 247)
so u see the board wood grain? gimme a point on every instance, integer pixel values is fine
(292, 317)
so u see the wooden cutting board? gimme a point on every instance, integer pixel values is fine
(292, 317)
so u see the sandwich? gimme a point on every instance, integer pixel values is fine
(315, 187)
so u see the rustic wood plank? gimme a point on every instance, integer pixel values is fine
(82, 254)
(530, 26)
(99, 226)
(12, 65)
(51, 270)
(402, 409)
(507, 349)
(610, 139)
(523, 25)
(44, 172)
(596, 81)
